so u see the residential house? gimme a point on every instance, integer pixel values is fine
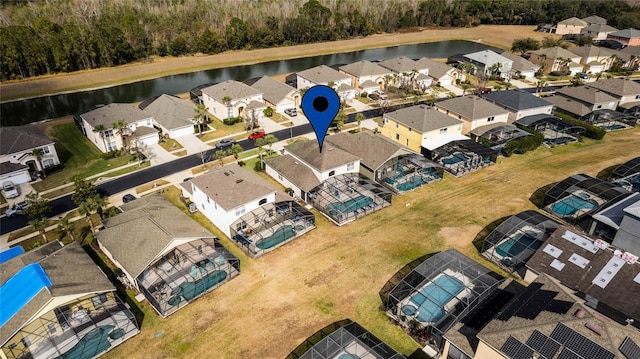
(556, 59)
(473, 111)
(224, 194)
(490, 63)
(570, 26)
(627, 92)
(328, 180)
(595, 59)
(164, 254)
(366, 76)
(57, 303)
(555, 130)
(230, 99)
(519, 103)
(595, 20)
(139, 128)
(441, 73)
(18, 163)
(279, 96)
(421, 126)
(580, 101)
(542, 320)
(618, 224)
(171, 114)
(322, 75)
(302, 167)
(521, 67)
(629, 37)
(388, 162)
(605, 277)
(407, 70)
(598, 32)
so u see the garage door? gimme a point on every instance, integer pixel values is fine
(17, 177)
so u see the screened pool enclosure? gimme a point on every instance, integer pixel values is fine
(627, 175)
(439, 292)
(462, 157)
(555, 130)
(516, 239)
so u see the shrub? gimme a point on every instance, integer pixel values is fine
(259, 166)
(268, 112)
(232, 120)
(555, 73)
(111, 154)
(592, 131)
(364, 94)
(523, 144)
(392, 89)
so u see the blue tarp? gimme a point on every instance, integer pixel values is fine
(20, 289)
(10, 253)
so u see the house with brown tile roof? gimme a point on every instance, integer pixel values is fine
(56, 294)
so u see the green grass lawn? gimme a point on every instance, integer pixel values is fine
(79, 156)
(170, 144)
(222, 130)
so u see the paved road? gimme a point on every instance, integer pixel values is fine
(120, 184)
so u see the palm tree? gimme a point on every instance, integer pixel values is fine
(331, 84)
(387, 81)
(66, 227)
(235, 150)
(90, 206)
(40, 225)
(464, 87)
(122, 128)
(100, 128)
(38, 153)
(270, 140)
(200, 116)
(359, 119)
(260, 143)
(219, 155)
(540, 85)
(227, 102)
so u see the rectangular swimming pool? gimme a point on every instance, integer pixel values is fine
(431, 299)
(571, 204)
(516, 244)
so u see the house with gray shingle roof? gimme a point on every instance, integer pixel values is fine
(408, 70)
(594, 20)
(55, 300)
(17, 144)
(626, 91)
(441, 73)
(521, 66)
(172, 114)
(276, 94)
(556, 59)
(321, 75)
(489, 63)
(580, 101)
(597, 32)
(139, 126)
(387, 162)
(519, 103)
(629, 37)
(572, 25)
(366, 76)
(165, 254)
(594, 58)
(421, 126)
(473, 111)
(239, 95)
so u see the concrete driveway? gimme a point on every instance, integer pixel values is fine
(192, 144)
(159, 155)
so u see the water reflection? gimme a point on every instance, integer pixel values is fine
(17, 113)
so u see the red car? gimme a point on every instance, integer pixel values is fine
(256, 134)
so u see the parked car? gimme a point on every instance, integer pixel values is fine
(291, 112)
(224, 144)
(583, 76)
(10, 190)
(17, 208)
(379, 95)
(128, 198)
(256, 134)
(482, 90)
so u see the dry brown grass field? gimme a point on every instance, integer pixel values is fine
(334, 272)
(500, 36)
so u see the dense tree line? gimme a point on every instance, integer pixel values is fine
(42, 37)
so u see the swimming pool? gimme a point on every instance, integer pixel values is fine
(439, 292)
(190, 290)
(569, 205)
(613, 127)
(410, 184)
(93, 343)
(456, 157)
(351, 205)
(348, 356)
(516, 244)
(281, 235)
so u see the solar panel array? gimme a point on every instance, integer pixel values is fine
(544, 345)
(568, 354)
(579, 344)
(629, 349)
(516, 349)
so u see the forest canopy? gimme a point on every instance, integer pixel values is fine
(44, 37)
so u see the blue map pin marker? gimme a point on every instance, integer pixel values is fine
(321, 105)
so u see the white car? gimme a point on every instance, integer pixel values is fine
(17, 208)
(10, 190)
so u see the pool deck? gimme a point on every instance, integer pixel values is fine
(492, 251)
(579, 211)
(355, 190)
(253, 238)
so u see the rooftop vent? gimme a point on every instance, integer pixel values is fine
(239, 180)
(226, 173)
(594, 328)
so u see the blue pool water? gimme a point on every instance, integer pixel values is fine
(190, 290)
(351, 205)
(348, 356)
(414, 182)
(455, 158)
(516, 244)
(572, 204)
(281, 235)
(439, 292)
(16, 292)
(93, 343)
(613, 127)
